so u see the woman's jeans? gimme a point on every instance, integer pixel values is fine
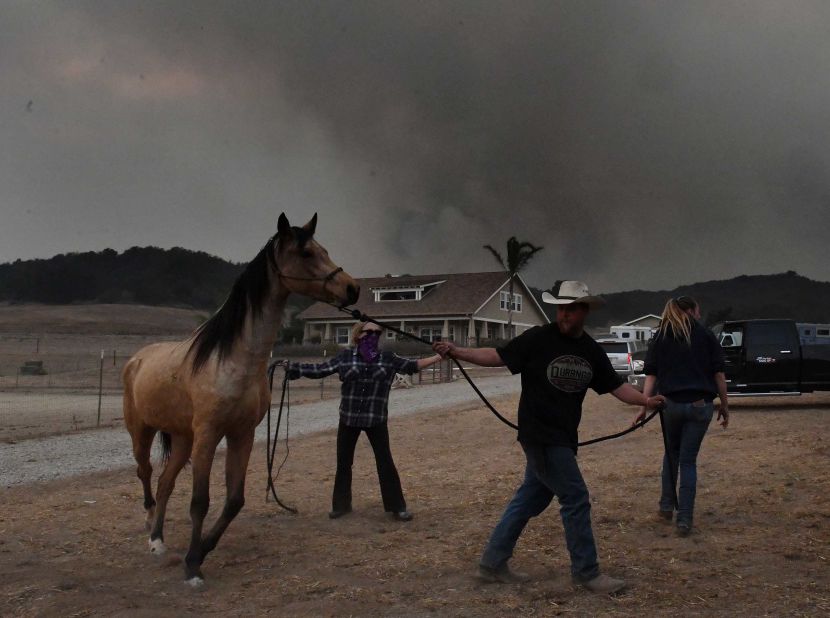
(551, 471)
(685, 425)
(390, 482)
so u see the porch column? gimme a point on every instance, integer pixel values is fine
(445, 331)
(327, 332)
(471, 332)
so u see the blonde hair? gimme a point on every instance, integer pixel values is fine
(676, 318)
(356, 330)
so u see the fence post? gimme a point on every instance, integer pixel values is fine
(100, 388)
(323, 380)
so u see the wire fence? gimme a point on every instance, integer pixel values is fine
(56, 384)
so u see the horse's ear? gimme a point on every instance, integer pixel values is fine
(283, 226)
(311, 225)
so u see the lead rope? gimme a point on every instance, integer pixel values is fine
(270, 451)
(358, 315)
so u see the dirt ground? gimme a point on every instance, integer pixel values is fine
(760, 547)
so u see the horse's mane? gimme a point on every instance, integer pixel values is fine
(247, 295)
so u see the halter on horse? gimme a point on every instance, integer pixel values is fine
(213, 385)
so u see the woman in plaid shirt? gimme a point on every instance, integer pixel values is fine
(367, 374)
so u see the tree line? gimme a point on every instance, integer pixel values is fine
(142, 275)
(183, 278)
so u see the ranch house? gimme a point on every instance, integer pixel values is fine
(467, 308)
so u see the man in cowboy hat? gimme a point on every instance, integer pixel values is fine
(558, 363)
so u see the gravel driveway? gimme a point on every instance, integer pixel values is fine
(47, 459)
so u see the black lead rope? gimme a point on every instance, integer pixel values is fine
(271, 450)
(358, 315)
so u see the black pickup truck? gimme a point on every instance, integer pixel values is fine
(775, 357)
(772, 357)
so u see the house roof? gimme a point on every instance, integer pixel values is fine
(642, 318)
(459, 294)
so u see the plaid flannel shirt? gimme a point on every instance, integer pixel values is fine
(365, 389)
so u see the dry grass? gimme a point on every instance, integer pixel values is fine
(95, 319)
(78, 547)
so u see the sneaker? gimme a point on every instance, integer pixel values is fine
(603, 584)
(684, 528)
(402, 515)
(336, 514)
(502, 575)
(665, 515)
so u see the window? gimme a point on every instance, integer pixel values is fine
(452, 333)
(823, 332)
(626, 335)
(342, 335)
(503, 300)
(732, 337)
(403, 292)
(614, 348)
(397, 295)
(390, 334)
(772, 334)
(430, 333)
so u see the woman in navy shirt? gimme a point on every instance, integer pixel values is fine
(685, 363)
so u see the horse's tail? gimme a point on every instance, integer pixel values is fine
(166, 443)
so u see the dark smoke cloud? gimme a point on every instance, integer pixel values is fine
(643, 144)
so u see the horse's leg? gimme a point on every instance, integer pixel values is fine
(179, 454)
(236, 467)
(142, 445)
(204, 449)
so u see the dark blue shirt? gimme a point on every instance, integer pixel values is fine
(685, 372)
(365, 389)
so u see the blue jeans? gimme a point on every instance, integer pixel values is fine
(686, 424)
(551, 471)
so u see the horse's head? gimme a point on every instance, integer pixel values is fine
(305, 267)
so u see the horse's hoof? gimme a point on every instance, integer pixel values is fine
(157, 547)
(195, 582)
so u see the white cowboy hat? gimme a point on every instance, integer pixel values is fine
(569, 292)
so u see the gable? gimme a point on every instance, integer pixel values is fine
(530, 313)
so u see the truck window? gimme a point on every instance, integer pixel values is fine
(769, 334)
(732, 337)
(614, 348)
(823, 332)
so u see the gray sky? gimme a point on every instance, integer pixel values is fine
(643, 144)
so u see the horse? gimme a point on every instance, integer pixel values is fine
(213, 385)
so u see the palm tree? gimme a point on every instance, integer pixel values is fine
(518, 256)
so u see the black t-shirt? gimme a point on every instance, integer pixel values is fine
(556, 373)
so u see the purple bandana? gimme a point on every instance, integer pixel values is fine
(367, 346)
